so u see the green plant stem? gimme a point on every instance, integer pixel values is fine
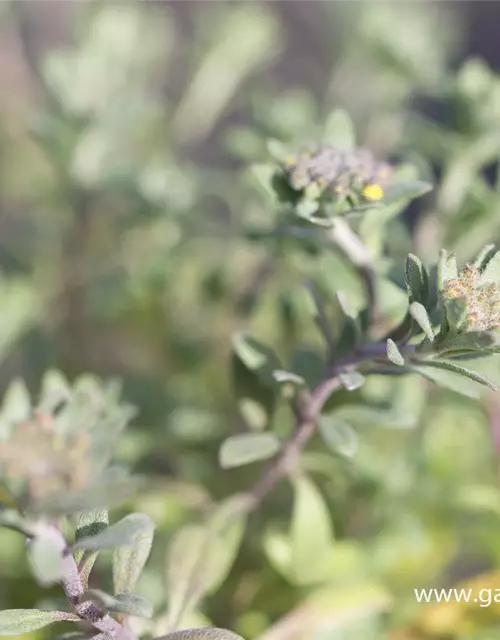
(74, 590)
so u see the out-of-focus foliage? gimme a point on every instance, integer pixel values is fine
(140, 230)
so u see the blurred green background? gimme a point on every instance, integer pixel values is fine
(125, 133)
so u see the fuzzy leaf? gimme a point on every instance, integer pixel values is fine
(90, 523)
(108, 493)
(417, 280)
(252, 366)
(338, 435)
(352, 380)
(122, 533)
(448, 380)
(420, 315)
(463, 371)
(287, 377)
(311, 532)
(201, 634)
(491, 272)
(485, 256)
(455, 311)
(125, 603)
(46, 561)
(447, 268)
(129, 561)
(11, 519)
(339, 130)
(15, 622)
(199, 557)
(247, 448)
(393, 353)
(254, 355)
(405, 191)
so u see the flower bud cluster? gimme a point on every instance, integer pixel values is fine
(337, 172)
(482, 300)
(43, 460)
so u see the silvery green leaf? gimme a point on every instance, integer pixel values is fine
(338, 435)
(420, 315)
(447, 268)
(200, 556)
(276, 149)
(448, 380)
(16, 407)
(122, 533)
(11, 519)
(485, 256)
(89, 524)
(453, 367)
(283, 377)
(472, 341)
(254, 355)
(129, 561)
(417, 280)
(46, 560)
(125, 603)
(263, 176)
(246, 448)
(201, 634)
(311, 532)
(351, 380)
(307, 208)
(394, 354)
(16, 622)
(405, 191)
(491, 272)
(455, 311)
(339, 130)
(110, 492)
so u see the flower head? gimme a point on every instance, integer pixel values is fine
(338, 172)
(482, 300)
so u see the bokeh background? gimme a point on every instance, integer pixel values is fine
(125, 131)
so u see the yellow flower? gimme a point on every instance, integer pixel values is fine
(373, 192)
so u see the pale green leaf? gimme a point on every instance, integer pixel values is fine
(463, 371)
(122, 533)
(485, 256)
(201, 634)
(420, 315)
(15, 622)
(447, 268)
(46, 560)
(352, 380)
(246, 448)
(129, 561)
(338, 435)
(311, 532)
(89, 524)
(491, 272)
(339, 130)
(405, 191)
(126, 603)
(417, 280)
(394, 354)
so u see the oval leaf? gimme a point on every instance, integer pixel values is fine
(311, 532)
(129, 561)
(127, 603)
(338, 435)
(15, 622)
(122, 533)
(394, 354)
(46, 561)
(420, 315)
(339, 130)
(247, 448)
(201, 634)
